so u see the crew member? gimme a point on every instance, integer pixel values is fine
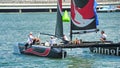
(65, 39)
(103, 36)
(52, 41)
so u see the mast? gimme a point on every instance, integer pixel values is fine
(70, 32)
(83, 17)
(59, 23)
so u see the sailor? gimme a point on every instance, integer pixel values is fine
(52, 41)
(103, 36)
(65, 39)
(47, 43)
(77, 41)
(30, 40)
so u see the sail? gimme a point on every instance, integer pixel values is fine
(65, 17)
(59, 24)
(83, 16)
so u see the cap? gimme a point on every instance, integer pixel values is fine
(51, 36)
(30, 33)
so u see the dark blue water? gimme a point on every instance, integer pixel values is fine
(15, 27)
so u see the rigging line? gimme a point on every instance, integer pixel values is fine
(50, 35)
(47, 34)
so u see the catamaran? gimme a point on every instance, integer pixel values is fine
(84, 20)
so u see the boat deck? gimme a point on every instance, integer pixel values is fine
(87, 45)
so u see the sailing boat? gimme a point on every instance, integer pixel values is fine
(46, 51)
(84, 20)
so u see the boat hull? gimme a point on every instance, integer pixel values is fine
(107, 48)
(42, 51)
(114, 50)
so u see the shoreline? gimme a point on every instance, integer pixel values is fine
(43, 7)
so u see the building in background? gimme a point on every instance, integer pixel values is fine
(47, 5)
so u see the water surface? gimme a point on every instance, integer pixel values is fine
(15, 27)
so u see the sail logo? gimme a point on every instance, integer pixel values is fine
(107, 51)
(82, 14)
(80, 22)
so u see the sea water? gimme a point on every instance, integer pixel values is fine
(15, 27)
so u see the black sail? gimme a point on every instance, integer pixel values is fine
(83, 16)
(59, 24)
